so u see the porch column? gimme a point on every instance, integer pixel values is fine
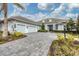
(56, 26)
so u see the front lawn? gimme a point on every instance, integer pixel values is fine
(65, 47)
(11, 37)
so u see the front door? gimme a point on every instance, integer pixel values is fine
(50, 27)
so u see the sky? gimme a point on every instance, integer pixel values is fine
(38, 11)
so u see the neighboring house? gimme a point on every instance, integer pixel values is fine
(53, 24)
(22, 24)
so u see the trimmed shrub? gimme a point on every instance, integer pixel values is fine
(60, 37)
(18, 34)
(70, 38)
(59, 31)
(42, 31)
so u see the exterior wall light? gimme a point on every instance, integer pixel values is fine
(50, 20)
(43, 21)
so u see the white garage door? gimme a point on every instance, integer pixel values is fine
(32, 29)
(26, 29)
(20, 28)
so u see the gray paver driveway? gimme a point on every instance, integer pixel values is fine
(35, 44)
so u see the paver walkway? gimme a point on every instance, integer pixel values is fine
(35, 44)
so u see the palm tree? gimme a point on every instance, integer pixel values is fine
(77, 24)
(4, 9)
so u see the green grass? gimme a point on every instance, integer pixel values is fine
(64, 47)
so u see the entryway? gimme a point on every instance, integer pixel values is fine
(50, 27)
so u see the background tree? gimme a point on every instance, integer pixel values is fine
(42, 26)
(4, 9)
(70, 25)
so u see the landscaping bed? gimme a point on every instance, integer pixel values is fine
(42, 31)
(62, 31)
(11, 37)
(65, 47)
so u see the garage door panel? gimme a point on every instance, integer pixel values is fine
(31, 29)
(20, 28)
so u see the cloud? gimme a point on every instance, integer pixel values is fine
(37, 16)
(55, 12)
(73, 5)
(71, 15)
(18, 11)
(42, 6)
(46, 6)
(58, 11)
